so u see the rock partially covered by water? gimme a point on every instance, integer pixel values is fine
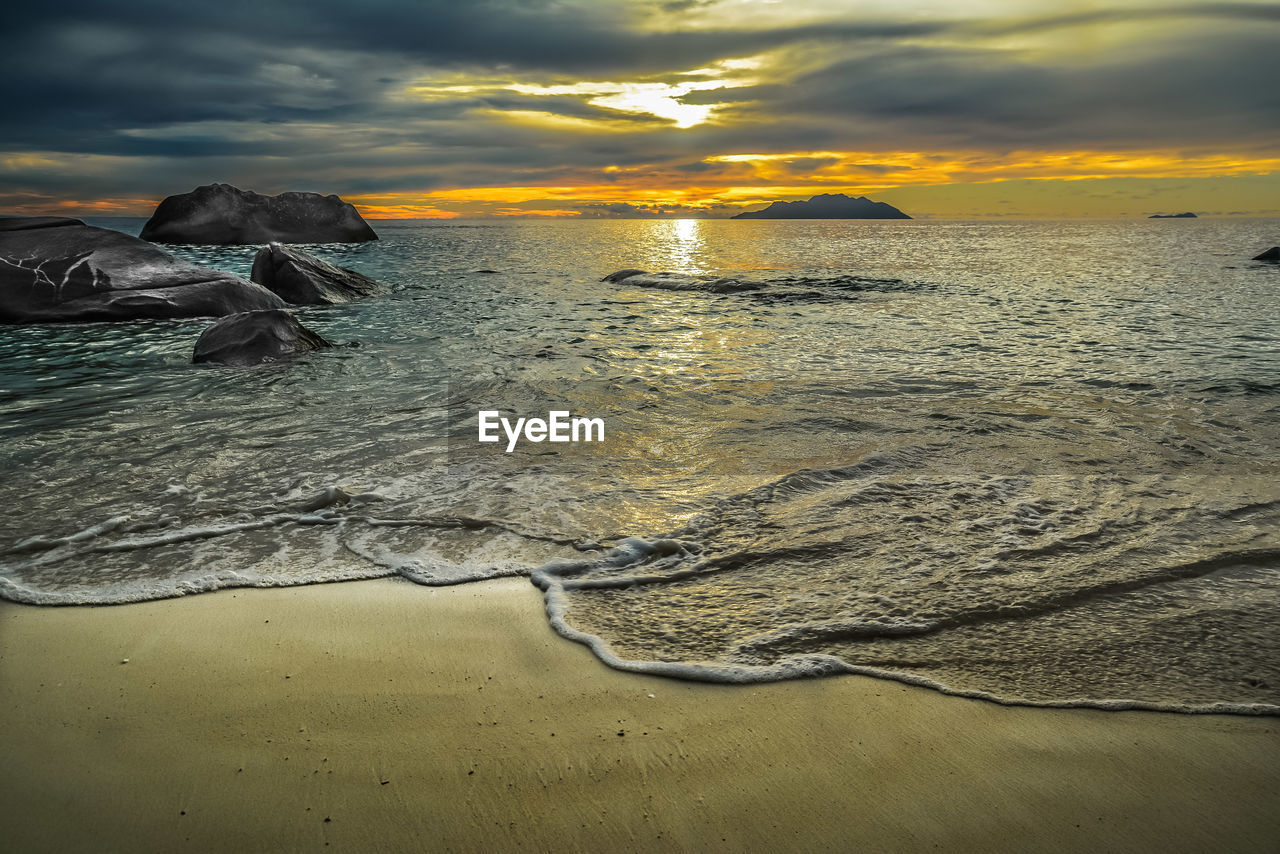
(223, 214)
(57, 269)
(255, 337)
(1272, 254)
(681, 282)
(624, 274)
(303, 279)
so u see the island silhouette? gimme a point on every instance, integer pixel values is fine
(827, 206)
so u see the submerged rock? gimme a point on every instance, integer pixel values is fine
(57, 269)
(681, 282)
(1272, 254)
(624, 274)
(255, 337)
(223, 214)
(303, 279)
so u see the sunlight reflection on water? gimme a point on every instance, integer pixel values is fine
(941, 414)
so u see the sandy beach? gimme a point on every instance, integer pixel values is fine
(381, 716)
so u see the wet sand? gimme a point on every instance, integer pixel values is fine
(382, 716)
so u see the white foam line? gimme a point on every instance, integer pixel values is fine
(797, 667)
(202, 533)
(42, 543)
(125, 594)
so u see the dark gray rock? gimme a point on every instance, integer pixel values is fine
(623, 274)
(303, 279)
(827, 206)
(1272, 254)
(56, 269)
(255, 337)
(682, 282)
(223, 214)
(1186, 215)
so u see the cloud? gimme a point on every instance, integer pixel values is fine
(1211, 89)
(626, 210)
(143, 99)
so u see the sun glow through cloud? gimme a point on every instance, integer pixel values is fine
(658, 98)
(673, 109)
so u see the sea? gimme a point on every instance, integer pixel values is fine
(1033, 462)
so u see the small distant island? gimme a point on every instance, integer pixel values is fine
(1187, 215)
(827, 206)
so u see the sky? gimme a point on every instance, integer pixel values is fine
(645, 108)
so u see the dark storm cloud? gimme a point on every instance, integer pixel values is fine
(1215, 87)
(90, 67)
(1233, 11)
(77, 72)
(181, 93)
(583, 38)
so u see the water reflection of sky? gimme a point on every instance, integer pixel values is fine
(676, 244)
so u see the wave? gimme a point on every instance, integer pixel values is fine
(309, 537)
(1079, 593)
(1100, 590)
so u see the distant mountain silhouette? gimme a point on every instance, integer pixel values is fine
(1187, 215)
(827, 206)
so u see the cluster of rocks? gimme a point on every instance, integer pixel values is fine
(58, 269)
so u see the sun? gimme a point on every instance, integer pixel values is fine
(657, 99)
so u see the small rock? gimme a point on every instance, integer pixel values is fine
(301, 278)
(255, 337)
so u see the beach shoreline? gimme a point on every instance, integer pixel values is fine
(381, 715)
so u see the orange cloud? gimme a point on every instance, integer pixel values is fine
(723, 183)
(35, 204)
(523, 212)
(719, 185)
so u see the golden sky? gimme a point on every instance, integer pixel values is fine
(682, 108)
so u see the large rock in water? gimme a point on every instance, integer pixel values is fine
(223, 214)
(255, 337)
(1272, 254)
(303, 279)
(56, 269)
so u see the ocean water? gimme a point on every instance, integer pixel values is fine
(1034, 462)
